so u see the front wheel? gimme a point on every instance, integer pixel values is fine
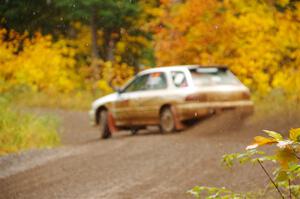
(167, 121)
(103, 125)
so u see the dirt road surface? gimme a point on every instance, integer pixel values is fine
(146, 165)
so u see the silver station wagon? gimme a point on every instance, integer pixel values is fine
(170, 97)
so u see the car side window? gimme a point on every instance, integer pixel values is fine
(179, 79)
(156, 81)
(138, 84)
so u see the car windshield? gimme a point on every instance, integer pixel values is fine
(152, 81)
(138, 84)
(213, 76)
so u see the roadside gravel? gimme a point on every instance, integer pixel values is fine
(147, 165)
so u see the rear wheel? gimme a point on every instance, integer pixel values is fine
(134, 131)
(167, 121)
(103, 125)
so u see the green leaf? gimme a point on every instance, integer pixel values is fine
(295, 134)
(282, 176)
(273, 134)
(267, 158)
(294, 167)
(196, 191)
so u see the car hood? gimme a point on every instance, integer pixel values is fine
(103, 100)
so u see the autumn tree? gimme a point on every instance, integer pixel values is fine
(257, 39)
(41, 65)
(32, 16)
(111, 17)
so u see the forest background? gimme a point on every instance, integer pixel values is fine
(57, 51)
(66, 53)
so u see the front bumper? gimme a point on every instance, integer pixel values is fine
(92, 117)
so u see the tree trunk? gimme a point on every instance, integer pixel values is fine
(110, 50)
(95, 51)
(109, 46)
(94, 46)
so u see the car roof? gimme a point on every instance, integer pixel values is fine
(179, 67)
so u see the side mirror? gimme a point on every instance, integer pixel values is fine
(118, 90)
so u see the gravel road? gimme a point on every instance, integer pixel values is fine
(146, 165)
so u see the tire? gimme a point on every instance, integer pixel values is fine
(167, 121)
(103, 125)
(134, 131)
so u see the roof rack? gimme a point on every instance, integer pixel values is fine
(212, 66)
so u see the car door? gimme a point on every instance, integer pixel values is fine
(147, 102)
(124, 105)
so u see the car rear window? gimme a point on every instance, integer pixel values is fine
(213, 76)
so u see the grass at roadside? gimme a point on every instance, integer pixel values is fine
(21, 131)
(274, 105)
(72, 101)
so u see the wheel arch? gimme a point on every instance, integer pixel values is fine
(164, 107)
(98, 110)
(178, 123)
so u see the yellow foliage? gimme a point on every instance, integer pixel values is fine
(37, 63)
(115, 74)
(295, 134)
(81, 41)
(283, 2)
(259, 43)
(42, 65)
(260, 140)
(286, 156)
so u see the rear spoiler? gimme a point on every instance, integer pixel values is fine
(213, 66)
(209, 69)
